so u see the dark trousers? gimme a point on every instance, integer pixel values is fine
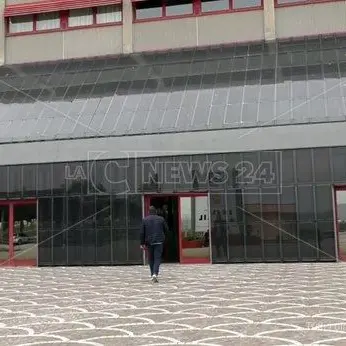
(155, 254)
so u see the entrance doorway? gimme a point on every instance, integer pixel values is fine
(18, 233)
(187, 217)
(340, 211)
(167, 206)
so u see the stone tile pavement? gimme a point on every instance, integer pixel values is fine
(206, 305)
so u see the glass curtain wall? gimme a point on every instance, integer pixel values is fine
(264, 206)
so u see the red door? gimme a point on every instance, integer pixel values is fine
(18, 233)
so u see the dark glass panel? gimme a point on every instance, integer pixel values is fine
(288, 207)
(181, 173)
(253, 224)
(268, 172)
(76, 174)
(45, 240)
(289, 238)
(324, 202)
(44, 179)
(134, 255)
(29, 180)
(250, 174)
(339, 164)
(59, 231)
(59, 181)
(170, 173)
(99, 171)
(200, 168)
(235, 226)
(45, 213)
(271, 240)
(322, 165)
(133, 172)
(120, 246)
(307, 241)
(104, 230)
(218, 228)
(3, 181)
(326, 240)
(88, 230)
(15, 181)
(270, 203)
(287, 167)
(119, 211)
(233, 161)
(74, 232)
(218, 175)
(116, 174)
(304, 165)
(306, 208)
(214, 5)
(135, 212)
(45, 250)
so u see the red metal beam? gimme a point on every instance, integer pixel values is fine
(53, 6)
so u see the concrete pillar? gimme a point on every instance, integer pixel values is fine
(127, 27)
(2, 33)
(269, 20)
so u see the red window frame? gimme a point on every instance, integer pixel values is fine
(197, 11)
(64, 15)
(302, 3)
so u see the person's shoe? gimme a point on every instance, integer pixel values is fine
(154, 279)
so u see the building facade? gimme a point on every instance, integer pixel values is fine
(206, 109)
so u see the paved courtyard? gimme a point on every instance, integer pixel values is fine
(240, 304)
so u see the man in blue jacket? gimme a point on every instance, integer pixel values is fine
(152, 236)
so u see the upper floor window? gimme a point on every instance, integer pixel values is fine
(21, 24)
(80, 17)
(215, 5)
(62, 19)
(178, 7)
(149, 9)
(108, 14)
(48, 21)
(173, 8)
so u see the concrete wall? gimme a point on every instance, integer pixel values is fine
(64, 45)
(325, 18)
(198, 31)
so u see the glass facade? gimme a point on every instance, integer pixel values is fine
(264, 206)
(246, 85)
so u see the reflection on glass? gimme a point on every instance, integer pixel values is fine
(341, 219)
(25, 232)
(3, 234)
(195, 228)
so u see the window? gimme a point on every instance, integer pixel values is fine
(179, 7)
(108, 14)
(215, 5)
(48, 21)
(80, 17)
(21, 24)
(149, 9)
(237, 4)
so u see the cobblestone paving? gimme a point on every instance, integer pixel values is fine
(243, 304)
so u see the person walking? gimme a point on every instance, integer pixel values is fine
(152, 237)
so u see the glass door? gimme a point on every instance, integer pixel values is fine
(194, 229)
(4, 238)
(25, 234)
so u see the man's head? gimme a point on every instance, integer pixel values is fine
(152, 210)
